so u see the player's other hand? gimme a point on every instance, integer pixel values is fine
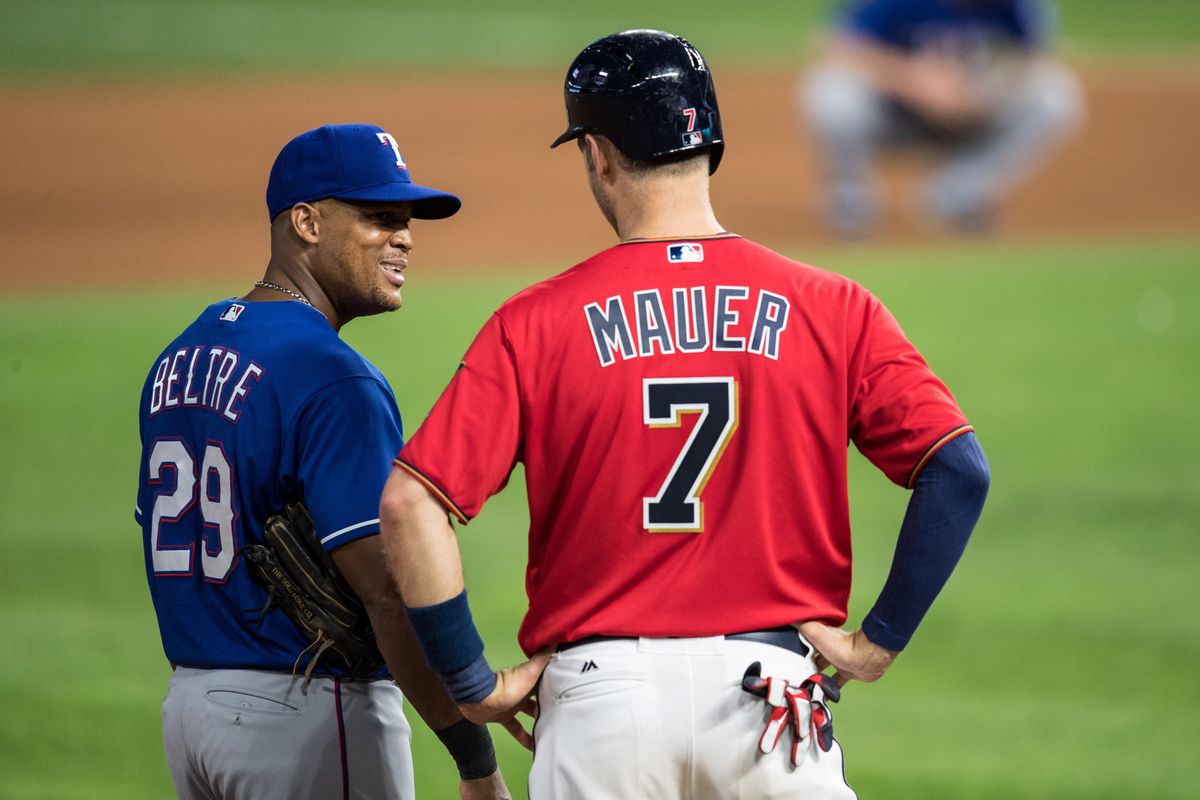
(490, 788)
(942, 91)
(513, 694)
(853, 655)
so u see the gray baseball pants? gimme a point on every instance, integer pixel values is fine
(247, 734)
(852, 122)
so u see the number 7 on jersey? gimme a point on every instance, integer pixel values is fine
(677, 507)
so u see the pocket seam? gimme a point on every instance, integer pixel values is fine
(287, 708)
(626, 683)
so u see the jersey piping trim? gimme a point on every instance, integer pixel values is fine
(702, 237)
(341, 725)
(349, 528)
(442, 497)
(933, 448)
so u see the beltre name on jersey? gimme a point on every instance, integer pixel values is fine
(177, 383)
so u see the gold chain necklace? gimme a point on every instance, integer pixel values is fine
(284, 289)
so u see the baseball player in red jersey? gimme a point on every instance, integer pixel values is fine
(682, 403)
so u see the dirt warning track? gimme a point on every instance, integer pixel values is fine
(112, 184)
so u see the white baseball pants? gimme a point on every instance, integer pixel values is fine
(666, 719)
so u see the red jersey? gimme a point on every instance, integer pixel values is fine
(682, 409)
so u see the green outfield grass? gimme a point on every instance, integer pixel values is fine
(148, 37)
(1059, 663)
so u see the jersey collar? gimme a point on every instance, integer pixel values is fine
(704, 237)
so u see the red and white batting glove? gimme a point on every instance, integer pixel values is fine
(803, 706)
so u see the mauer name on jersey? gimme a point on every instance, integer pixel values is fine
(177, 382)
(688, 321)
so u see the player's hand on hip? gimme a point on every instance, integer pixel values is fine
(513, 694)
(490, 788)
(853, 655)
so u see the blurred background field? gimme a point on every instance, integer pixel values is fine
(1059, 662)
(173, 35)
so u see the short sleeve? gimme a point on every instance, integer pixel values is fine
(347, 434)
(467, 447)
(901, 413)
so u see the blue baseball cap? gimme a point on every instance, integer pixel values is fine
(350, 162)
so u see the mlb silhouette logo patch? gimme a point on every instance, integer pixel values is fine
(693, 138)
(685, 253)
(233, 312)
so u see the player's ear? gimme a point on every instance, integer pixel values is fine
(595, 155)
(304, 222)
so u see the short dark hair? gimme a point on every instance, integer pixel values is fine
(670, 164)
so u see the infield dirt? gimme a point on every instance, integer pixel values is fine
(117, 184)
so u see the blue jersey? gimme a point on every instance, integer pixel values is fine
(253, 406)
(911, 25)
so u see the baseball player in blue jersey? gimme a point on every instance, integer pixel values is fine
(258, 404)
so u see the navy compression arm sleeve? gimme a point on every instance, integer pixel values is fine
(945, 505)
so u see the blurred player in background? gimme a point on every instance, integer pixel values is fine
(257, 404)
(971, 79)
(682, 403)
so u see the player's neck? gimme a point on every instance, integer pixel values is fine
(662, 208)
(283, 282)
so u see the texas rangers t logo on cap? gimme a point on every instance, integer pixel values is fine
(386, 138)
(687, 252)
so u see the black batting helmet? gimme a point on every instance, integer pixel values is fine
(649, 92)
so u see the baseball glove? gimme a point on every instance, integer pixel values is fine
(302, 580)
